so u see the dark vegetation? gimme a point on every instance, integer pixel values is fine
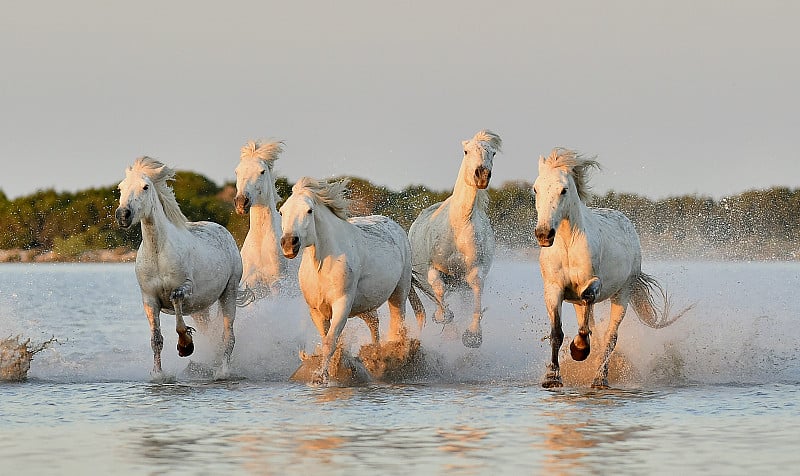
(759, 224)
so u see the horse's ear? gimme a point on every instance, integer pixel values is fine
(464, 143)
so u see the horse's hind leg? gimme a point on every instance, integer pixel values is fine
(617, 314)
(371, 319)
(579, 348)
(397, 315)
(227, 304)
(185, 343)
(442, 315)
(473, 336)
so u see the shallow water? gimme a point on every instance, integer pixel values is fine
(718, 392)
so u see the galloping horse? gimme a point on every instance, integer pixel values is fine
(349, 267)
(588, 255)
(182, 267)
(452, 242)
(262, 260)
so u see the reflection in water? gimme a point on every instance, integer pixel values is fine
(575, 431)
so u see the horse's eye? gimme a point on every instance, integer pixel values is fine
(262, 172)
(145, 187)
(494, 153)
(465, 152)
(309, 211)
(563, 191)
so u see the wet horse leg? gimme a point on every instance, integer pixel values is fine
(340, 310)
(617, 314)
(473, 336)
(370, 318)
(185, 343)
(442, 315)
(227, 303)
(579, 348)
(152, 311)
(553, 296)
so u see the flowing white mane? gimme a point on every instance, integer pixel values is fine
(267, 152)
(492, 140)
(330, 194)
(159, 174)
(575, 165)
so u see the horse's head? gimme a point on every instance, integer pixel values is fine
(479, 154)
(136, 193)
(297, 223)
(559, 188)
(255, 183)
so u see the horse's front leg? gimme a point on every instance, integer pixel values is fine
(442, 315)
(152, 310)
(580, 347)
(185, 343)
(553, 296)
(617, 314)
(473, 337)
(340, 310)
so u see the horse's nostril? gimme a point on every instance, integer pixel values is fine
(551, 233)
(295, 240)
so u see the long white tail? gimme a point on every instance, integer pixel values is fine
(643, 302)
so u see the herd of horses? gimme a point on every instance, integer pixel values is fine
(350, 266)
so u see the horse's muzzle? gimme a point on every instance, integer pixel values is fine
(124, 217)
(290, 245)
(482, 177)
(545, 236)
(242, 204)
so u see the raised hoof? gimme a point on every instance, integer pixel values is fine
(589, 295)
(473, 340)
(579, 348)
(185, 350)
(443, 316)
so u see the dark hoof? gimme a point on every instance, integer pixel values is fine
(589, 295)
(471, 339)
(552, 383)
(185, 350)
(579, 348)
(600, 384)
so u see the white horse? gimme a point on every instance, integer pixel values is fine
(182, 267)
(452, 242)
(588, 255)
(262, 260)
(349, 267)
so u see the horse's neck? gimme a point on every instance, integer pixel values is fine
(578, 220)
(157, 229)
(264, 221)
(464, 199)
(332, 231)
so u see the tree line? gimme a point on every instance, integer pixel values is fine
(758, 224)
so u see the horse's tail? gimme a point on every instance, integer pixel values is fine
(416, 305)
(643, 301)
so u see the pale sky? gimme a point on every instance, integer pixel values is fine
(674, 97)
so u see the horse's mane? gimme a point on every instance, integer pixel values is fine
(267, 152)
(330, 194)
(494, 140)
(264, 152)
(576, 165)
(159, 174)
